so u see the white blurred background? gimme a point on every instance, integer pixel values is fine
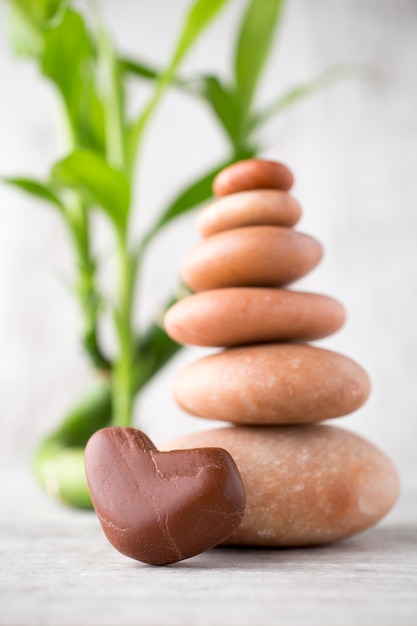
(353, 149)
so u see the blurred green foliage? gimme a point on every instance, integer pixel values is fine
(97, 173)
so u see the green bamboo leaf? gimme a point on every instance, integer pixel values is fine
(69, 61)
(41, 13)
(27, 20)
(112, 95)
(139, 68)
(91, 127)
(46, 12)
(221, 98)
(194, 195)
(67, 56)
(60, 472)
(25, 36)
(305, 90)
(59, 40)
(253, 46)
(90, 414)
(225, 105)
(191, 197)
(88, 172)
(35, 188)
(153, 351)
(147, 72)
(200, 15)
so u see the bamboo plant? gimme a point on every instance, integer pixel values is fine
(78, 56)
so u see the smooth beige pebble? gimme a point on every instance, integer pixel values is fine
(243, 315)
(249, 208)
(249, 257)
(252, 174)
(305, 485)
(272, 384)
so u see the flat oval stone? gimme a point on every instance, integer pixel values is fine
(161, 507)
(267, 256)
(242, 315)
(305, 485)
(272, 384)
(249, 208)
(252, 174)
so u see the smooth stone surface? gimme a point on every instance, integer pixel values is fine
(252, 256)
(249, 208)
(305, 485)
(161, 507)
(272, 384)
(242, 315)
(252, 174)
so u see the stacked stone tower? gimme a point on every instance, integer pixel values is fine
(306, 483)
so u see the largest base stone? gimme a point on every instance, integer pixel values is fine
(305, 485)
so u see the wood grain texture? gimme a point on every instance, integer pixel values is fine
(58, 569)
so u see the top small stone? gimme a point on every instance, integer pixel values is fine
(252, 174)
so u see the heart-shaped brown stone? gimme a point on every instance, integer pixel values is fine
(161, 507)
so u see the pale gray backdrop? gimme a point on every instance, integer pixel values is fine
(353, 149)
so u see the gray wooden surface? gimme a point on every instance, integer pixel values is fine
(58, 569)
